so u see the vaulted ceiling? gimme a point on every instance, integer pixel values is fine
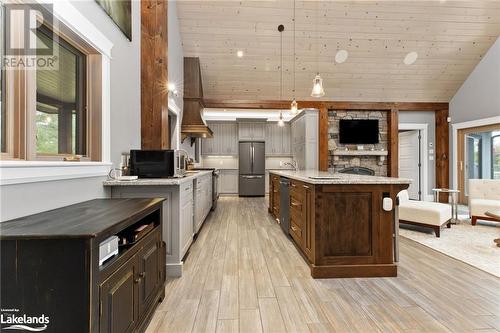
(450, 38)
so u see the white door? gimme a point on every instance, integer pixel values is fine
(409, 161)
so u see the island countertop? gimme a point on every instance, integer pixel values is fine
(327, 178)
(190, 176)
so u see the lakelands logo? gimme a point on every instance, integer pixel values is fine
(14, 321)
(30, 42)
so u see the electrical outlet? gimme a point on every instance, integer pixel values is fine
(281, 164)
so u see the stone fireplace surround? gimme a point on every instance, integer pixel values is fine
(375, 163)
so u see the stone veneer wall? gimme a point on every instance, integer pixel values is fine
(341, 162)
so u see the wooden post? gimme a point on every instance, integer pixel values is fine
(442, 152)
(393, 143)
(154, 75)
(323, 138)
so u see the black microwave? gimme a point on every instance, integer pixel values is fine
(152, 163)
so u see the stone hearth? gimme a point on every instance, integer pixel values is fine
(337, 163)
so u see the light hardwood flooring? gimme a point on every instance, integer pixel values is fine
(243, 274)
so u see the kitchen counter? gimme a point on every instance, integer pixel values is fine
(336, 178)
(190, 176)
(340, 224)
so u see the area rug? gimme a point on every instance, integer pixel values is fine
(471, 244)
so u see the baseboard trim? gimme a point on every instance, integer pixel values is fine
(352, 271)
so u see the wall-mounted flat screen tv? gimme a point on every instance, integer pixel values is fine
(358, 131)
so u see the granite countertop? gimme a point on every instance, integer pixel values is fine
(190, 176)
(337, 178)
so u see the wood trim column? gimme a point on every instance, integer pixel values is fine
(154, 75)
(393, 143)
(442, 152)
(323, 138)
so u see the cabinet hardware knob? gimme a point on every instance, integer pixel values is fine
(295, 204)
(305, 186)
(143, 274)
(293, 228)
(137, 280)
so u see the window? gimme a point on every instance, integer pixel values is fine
(50, 113)
(495, 156)
(61, 101)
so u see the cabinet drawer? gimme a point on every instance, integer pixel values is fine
(297, 218)
(296, 204)
(275, 178)
(296, 233)
(186, 192)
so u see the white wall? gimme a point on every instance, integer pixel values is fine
(29, 198)
(478, 97)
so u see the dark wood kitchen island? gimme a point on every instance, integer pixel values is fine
(338, 223)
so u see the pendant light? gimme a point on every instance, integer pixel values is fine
(294, 108)
(281, 27)
(317, 90)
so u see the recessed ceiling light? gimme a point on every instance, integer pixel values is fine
(341, 56)
(410, 58)
(239, 53)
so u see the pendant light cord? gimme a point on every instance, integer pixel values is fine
(281, 65)
(294, 53)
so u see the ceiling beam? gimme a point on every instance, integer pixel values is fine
(340, 105)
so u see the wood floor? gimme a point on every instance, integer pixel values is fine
(243, 274)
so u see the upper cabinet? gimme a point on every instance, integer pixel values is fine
(305, 141)
(225, 140)
(278, 140)
(254, 131)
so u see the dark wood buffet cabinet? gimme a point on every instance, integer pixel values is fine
(341, 229)
(50, 266)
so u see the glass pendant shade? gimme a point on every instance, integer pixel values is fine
(317, 90)
(294, 107)
(281, 123)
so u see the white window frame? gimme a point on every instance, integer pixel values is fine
(24, 171)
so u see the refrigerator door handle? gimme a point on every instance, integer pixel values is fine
(252, 177)
(253, 156)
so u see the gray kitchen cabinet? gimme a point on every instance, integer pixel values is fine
(228, 181)
(277, 140)
(203, 200)
(304, 133)
(225, 140)
(255, 131)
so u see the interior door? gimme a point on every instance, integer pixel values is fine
(409, 161)
(245, 158)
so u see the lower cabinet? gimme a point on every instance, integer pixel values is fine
(128, 293)
(274, 195)
(302, 211)
(118, 300)
(228, 181)
(203, 200)
(186, 216)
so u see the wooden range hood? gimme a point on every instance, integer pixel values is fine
(193, 124)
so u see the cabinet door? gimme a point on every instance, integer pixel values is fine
(308, 245)
(186, 226)
(199, 207)
(233, 139)
(229, 181)
(285, 140)
(245, 131)
(269, 139)
(118, 294)
(218, 140)
(149, 270)
(259, 131)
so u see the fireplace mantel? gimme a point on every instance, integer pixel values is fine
(380, 153)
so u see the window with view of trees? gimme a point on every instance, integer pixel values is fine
(51, 112)
(495, 156)
(60, 101)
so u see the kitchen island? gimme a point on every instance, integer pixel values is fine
(188, 201)
(338, 223)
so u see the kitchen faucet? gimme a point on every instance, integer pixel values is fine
(294, 164)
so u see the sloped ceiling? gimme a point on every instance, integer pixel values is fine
(450, 38)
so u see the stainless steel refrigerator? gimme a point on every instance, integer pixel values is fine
(252, 165)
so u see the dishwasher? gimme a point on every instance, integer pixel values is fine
(285, 204)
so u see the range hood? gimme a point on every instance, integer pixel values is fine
(193, 124)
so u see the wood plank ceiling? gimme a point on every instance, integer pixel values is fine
(450, 38)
